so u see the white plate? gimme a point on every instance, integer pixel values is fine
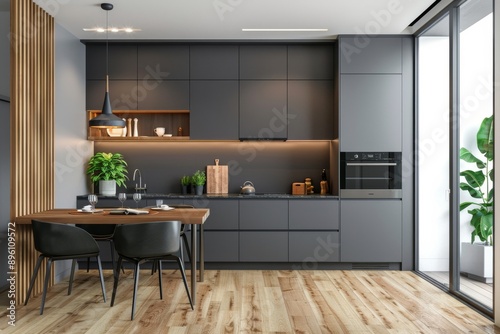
(95, 211)
(161, 209)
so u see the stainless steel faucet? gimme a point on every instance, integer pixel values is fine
(140, 188)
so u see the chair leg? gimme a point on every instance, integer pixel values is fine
(136, 284)
(71, 276)
(101, 277)
(88, 264)
(183, 273)
(159, 279)
(112, 244)
(116, 274)
(186, 245)
(45, 284)
(33, 277)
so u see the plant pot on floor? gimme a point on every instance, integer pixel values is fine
(107, 188)
(476, 262)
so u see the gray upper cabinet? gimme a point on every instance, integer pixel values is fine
(209, 62)
(370, 117)
(263, 109)
(122, 93)
(363, 54)
(310, 62)
(166, 94)
(214, 109)
(122, 61)
(158, 62)
(310, 110)
(263, 62)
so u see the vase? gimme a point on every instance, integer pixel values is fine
(199, 190)
(184, 190)
(107, 188)
(476, 261)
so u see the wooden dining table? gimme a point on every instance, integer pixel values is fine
(190, 216)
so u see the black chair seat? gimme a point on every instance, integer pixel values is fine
(62, 242)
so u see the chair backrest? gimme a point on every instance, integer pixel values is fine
(62, 240)
(147, 239)
(99, 230)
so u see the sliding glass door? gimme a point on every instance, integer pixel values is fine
(455, 151)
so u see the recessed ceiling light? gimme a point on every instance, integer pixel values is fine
(292, 29)
(129, 30)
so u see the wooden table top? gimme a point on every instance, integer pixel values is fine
(72, 216)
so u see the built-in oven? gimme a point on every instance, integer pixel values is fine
(370, 175)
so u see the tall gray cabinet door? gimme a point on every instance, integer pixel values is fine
(158, 62)
(263, 109)
(165, 94)
(362, 54)
(370, 112)
(122, 63)
(310, 109)
(371, 230)
(214, 109)
(310, 62)
(213, 62)
(263, 62)
(122, 93)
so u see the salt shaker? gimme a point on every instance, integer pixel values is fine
(136, 132)
(129, 127)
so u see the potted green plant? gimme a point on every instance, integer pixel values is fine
(479, 185)
(198, 180)
(109, 169)
(185, 182)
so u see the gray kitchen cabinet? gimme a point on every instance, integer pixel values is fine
(371, 230)
(310, 110)
(214, 62)
(221, 246)
(166, 95)
(263, 246)
(224, 214)
(368, 54)
(263, 109)
(263, 215)
(370, 112)
(158, 62)
(311, 247)
(263, 62)
(122, 94)
(122, 64)
(214, 109)
(310, 62)
(313, 215)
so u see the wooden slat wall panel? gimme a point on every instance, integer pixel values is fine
(32, 128)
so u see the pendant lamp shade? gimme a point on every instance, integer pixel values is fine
(107, 119)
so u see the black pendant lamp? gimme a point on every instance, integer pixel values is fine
(107, 119)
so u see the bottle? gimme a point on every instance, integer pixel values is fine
(324, 183)
(309, 186)
(136, 132)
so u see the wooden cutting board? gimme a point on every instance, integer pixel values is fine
(217, 178)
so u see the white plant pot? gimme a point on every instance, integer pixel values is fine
(107, 188)
(476, 262)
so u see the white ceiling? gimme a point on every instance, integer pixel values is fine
(224, 19)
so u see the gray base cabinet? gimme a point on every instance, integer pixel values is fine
(264, 215)
(221, 246)
(371, 230)
(314, 247)
(263, 246)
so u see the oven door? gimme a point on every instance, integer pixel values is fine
(371, 179)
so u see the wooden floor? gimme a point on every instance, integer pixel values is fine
(254, 301)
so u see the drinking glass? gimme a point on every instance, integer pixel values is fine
(122, 197)
(159, 203)
(137, 198)
(93, 201)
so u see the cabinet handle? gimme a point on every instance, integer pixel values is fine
(371, 164)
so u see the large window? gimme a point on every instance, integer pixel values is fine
(454, 104)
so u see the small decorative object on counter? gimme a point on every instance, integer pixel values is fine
(129, 127)
(198, 180)
(124, 131)
(217, 178)
(309, 186)
(247, 188)
(179, 131)
(298, 188)
(185, 182)
(324, 183)
(136, 131)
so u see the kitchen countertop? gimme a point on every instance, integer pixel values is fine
(222, 196)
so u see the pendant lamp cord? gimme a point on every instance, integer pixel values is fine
(107, 56)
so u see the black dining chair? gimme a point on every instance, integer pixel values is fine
(184, 227)
(57, 242)
(101, 232)
(139, 243)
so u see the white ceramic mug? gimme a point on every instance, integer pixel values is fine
(160, 131)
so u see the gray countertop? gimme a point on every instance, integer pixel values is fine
(223, 196)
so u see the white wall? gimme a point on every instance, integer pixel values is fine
(72, 149)
(4, 54)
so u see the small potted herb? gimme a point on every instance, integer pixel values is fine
(109, 169)
(198, 180)
(185, 182)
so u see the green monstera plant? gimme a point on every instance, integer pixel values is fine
(479, 184)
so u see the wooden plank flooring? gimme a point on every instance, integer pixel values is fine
(254, 301)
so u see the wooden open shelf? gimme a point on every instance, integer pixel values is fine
(171, 120)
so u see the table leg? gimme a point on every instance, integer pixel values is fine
(193, 264)
(202, 254)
